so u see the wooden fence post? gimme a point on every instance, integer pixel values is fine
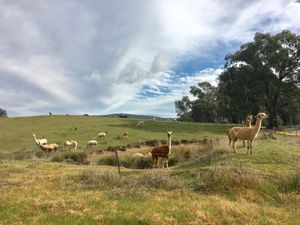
(117, 158)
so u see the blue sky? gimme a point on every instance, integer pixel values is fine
(134, 56)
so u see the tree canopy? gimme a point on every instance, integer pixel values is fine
(263, 75)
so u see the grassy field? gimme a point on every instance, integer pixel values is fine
(205, 185)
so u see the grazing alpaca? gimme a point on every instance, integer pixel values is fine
(90, 143)
(71, 145)
(39, 141)
(137, 155)
(162, 151)
(247, 133)
(125, 134)
(140, 123)
(249, 119)
(102, 135)
(49, 147)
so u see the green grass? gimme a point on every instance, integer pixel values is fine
(16, 141)
(204, 185)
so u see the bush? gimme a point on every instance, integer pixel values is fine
(126, 161)
(74, 157)
(152, 142)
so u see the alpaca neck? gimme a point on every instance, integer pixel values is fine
(248, 124)
(257, 127)
(36, 141)
(169, 145)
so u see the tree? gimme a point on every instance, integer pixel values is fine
(203, 109)
(183, 107)
(263, 74)
(3, 113)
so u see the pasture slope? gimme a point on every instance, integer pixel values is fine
(203, 185)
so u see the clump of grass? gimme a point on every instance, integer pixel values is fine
(290, 184)
(104, 180)
(224, 178)
(158, 179)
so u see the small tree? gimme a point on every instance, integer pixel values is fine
(3, 113)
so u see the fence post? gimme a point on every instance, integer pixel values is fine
(117, 158)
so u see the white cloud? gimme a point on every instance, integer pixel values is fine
(96, 56)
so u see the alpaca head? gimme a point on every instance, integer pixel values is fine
(249, 117)
(261, 116)
(169, 133)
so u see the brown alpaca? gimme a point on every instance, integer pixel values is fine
(125, 134)
(162, 151)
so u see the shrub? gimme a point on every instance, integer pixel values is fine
(152, 142)
(75, 157)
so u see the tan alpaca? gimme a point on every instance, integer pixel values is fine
(125, 134)
(71, 145)
(229, 134)
(162, 151)
(247, 133)
(39, 141)
(49, 147)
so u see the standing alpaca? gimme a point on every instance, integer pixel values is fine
(162, 151)
(249, 119)
(247, 133)
(49, 147)
(39, 141)
(71, 145)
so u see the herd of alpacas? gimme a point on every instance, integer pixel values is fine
(247, 133)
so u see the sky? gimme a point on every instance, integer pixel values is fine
(123, 56)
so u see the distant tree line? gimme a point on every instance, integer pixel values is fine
(263, 75)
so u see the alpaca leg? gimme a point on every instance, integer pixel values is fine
(248, 147)
(244, 144)
(167, 162)
(234, 146)
(251, 147)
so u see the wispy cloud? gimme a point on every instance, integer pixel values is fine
(103, 57)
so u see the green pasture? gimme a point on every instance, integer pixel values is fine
(205, 185)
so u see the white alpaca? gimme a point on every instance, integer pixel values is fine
(49, 147)
(90, 143)
(102, 135)
(71, 145)
(137, 155)
(247, 133)
(39, 141)
(140, 123)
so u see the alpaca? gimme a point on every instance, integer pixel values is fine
(49, 147)
(162, 151)
(102, 135)
(137, 155)
(71, 145)
(249, 119)
(125, 134)
(39, 141)
(140, 123)
(90, 143)
(247, 133)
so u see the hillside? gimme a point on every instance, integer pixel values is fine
(205, 184)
